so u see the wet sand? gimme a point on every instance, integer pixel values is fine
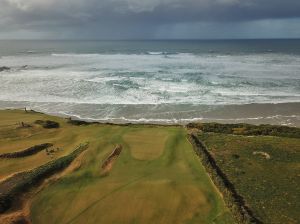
(277, 114)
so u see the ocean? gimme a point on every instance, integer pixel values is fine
(173, 82)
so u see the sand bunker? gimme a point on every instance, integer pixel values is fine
(109, 161)
(19, 213)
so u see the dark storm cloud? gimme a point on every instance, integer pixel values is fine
(135, 17)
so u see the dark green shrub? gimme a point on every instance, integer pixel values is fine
(27, 152)
(47, 124)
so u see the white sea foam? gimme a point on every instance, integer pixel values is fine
(156, 52)
(151, 78)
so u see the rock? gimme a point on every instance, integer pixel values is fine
(78, 122)
(4, 68)
(236, 156)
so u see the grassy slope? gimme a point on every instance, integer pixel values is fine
(270, 187)
(13, 139)
(156, 179)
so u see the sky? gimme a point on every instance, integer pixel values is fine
(149, 19)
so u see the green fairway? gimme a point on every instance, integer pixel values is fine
(157, 178)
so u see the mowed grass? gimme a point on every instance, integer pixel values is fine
(152, 147)
(156, 179)
(270, 187)
(173, 188)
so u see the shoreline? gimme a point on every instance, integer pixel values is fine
(286, 114)
(83, 122)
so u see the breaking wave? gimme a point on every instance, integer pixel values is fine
(151, 78)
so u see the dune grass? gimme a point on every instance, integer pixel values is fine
(157, 178)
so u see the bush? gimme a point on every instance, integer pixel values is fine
(78, 122)
(47, 124)
(27, 152)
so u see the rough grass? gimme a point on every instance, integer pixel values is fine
(62, 138)
(233, 200)
(248, 129)
(167, 186)
(271, 186)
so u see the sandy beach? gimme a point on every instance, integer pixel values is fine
(277, 114)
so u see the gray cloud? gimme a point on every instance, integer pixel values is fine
(133, 18)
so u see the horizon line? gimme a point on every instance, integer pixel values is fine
(162, 39)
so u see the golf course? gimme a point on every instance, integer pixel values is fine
(154, 176)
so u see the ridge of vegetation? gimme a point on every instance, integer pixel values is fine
(20, 182)
(235, 202)
(248, 129)
(27, 152)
